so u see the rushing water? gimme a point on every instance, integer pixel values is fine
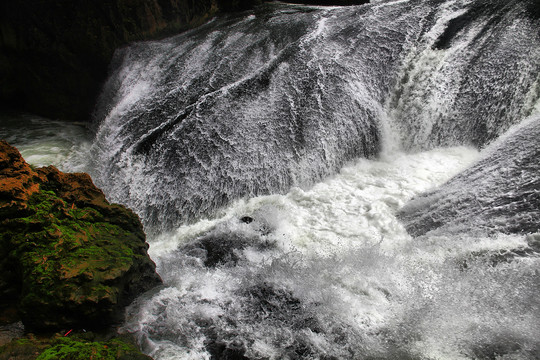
(44, 142)
(256, 104)
(327, 272)
(329, 183)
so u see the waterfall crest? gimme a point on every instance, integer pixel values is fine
(252, 105)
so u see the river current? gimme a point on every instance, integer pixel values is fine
(327, 182)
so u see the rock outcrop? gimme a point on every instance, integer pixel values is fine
(329, 2)
(68, 258)
(54, 54)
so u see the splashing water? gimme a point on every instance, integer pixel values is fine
(44, 142)
(239, 145)
(330, 272)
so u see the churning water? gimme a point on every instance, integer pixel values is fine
(327, 272)
(44, 142)
(333, 183)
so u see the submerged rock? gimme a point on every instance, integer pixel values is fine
(68, 258)
(215, 250)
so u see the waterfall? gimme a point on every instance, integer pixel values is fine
(253, 105)
(334, 182)
(243, 107)
(500, 193)
(470, 77)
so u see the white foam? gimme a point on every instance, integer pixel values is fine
(341, 252)
(44, 142)
(353, 208)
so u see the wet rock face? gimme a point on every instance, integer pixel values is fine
(68, 258)
(69, 45)
(499, 194)
(330, 2)
(238, 5)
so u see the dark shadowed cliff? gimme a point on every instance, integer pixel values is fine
(54, 54)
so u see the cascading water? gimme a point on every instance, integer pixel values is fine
(257, 104)
(44, 142)
(470, 77)
(273, 156)
(244, 107)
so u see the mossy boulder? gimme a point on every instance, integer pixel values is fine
(22, 349)
(68, 258)
(76, 349)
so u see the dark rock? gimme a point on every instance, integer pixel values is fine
(268, 300)
(223, 350)
(219, 249)
(454, 26)
(270, 305)
(477, 13)
(533, 7)
(10, 330)
(223, 246)
(237, 5)
(499, 347)
(54, 54)
(22, 349)
(68, 258)
(246, 219)
(330, 2)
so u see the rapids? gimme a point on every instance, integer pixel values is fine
(257, 103)
(330, 182)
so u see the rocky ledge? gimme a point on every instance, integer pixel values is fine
(68, 258)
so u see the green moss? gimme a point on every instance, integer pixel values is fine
(68, 258)
(22, 341)
(59, 244)
(27, 348)
(74, 350)
(77, 349)
(70, 348)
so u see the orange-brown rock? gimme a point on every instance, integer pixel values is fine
(17, 180)
(65, 250)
